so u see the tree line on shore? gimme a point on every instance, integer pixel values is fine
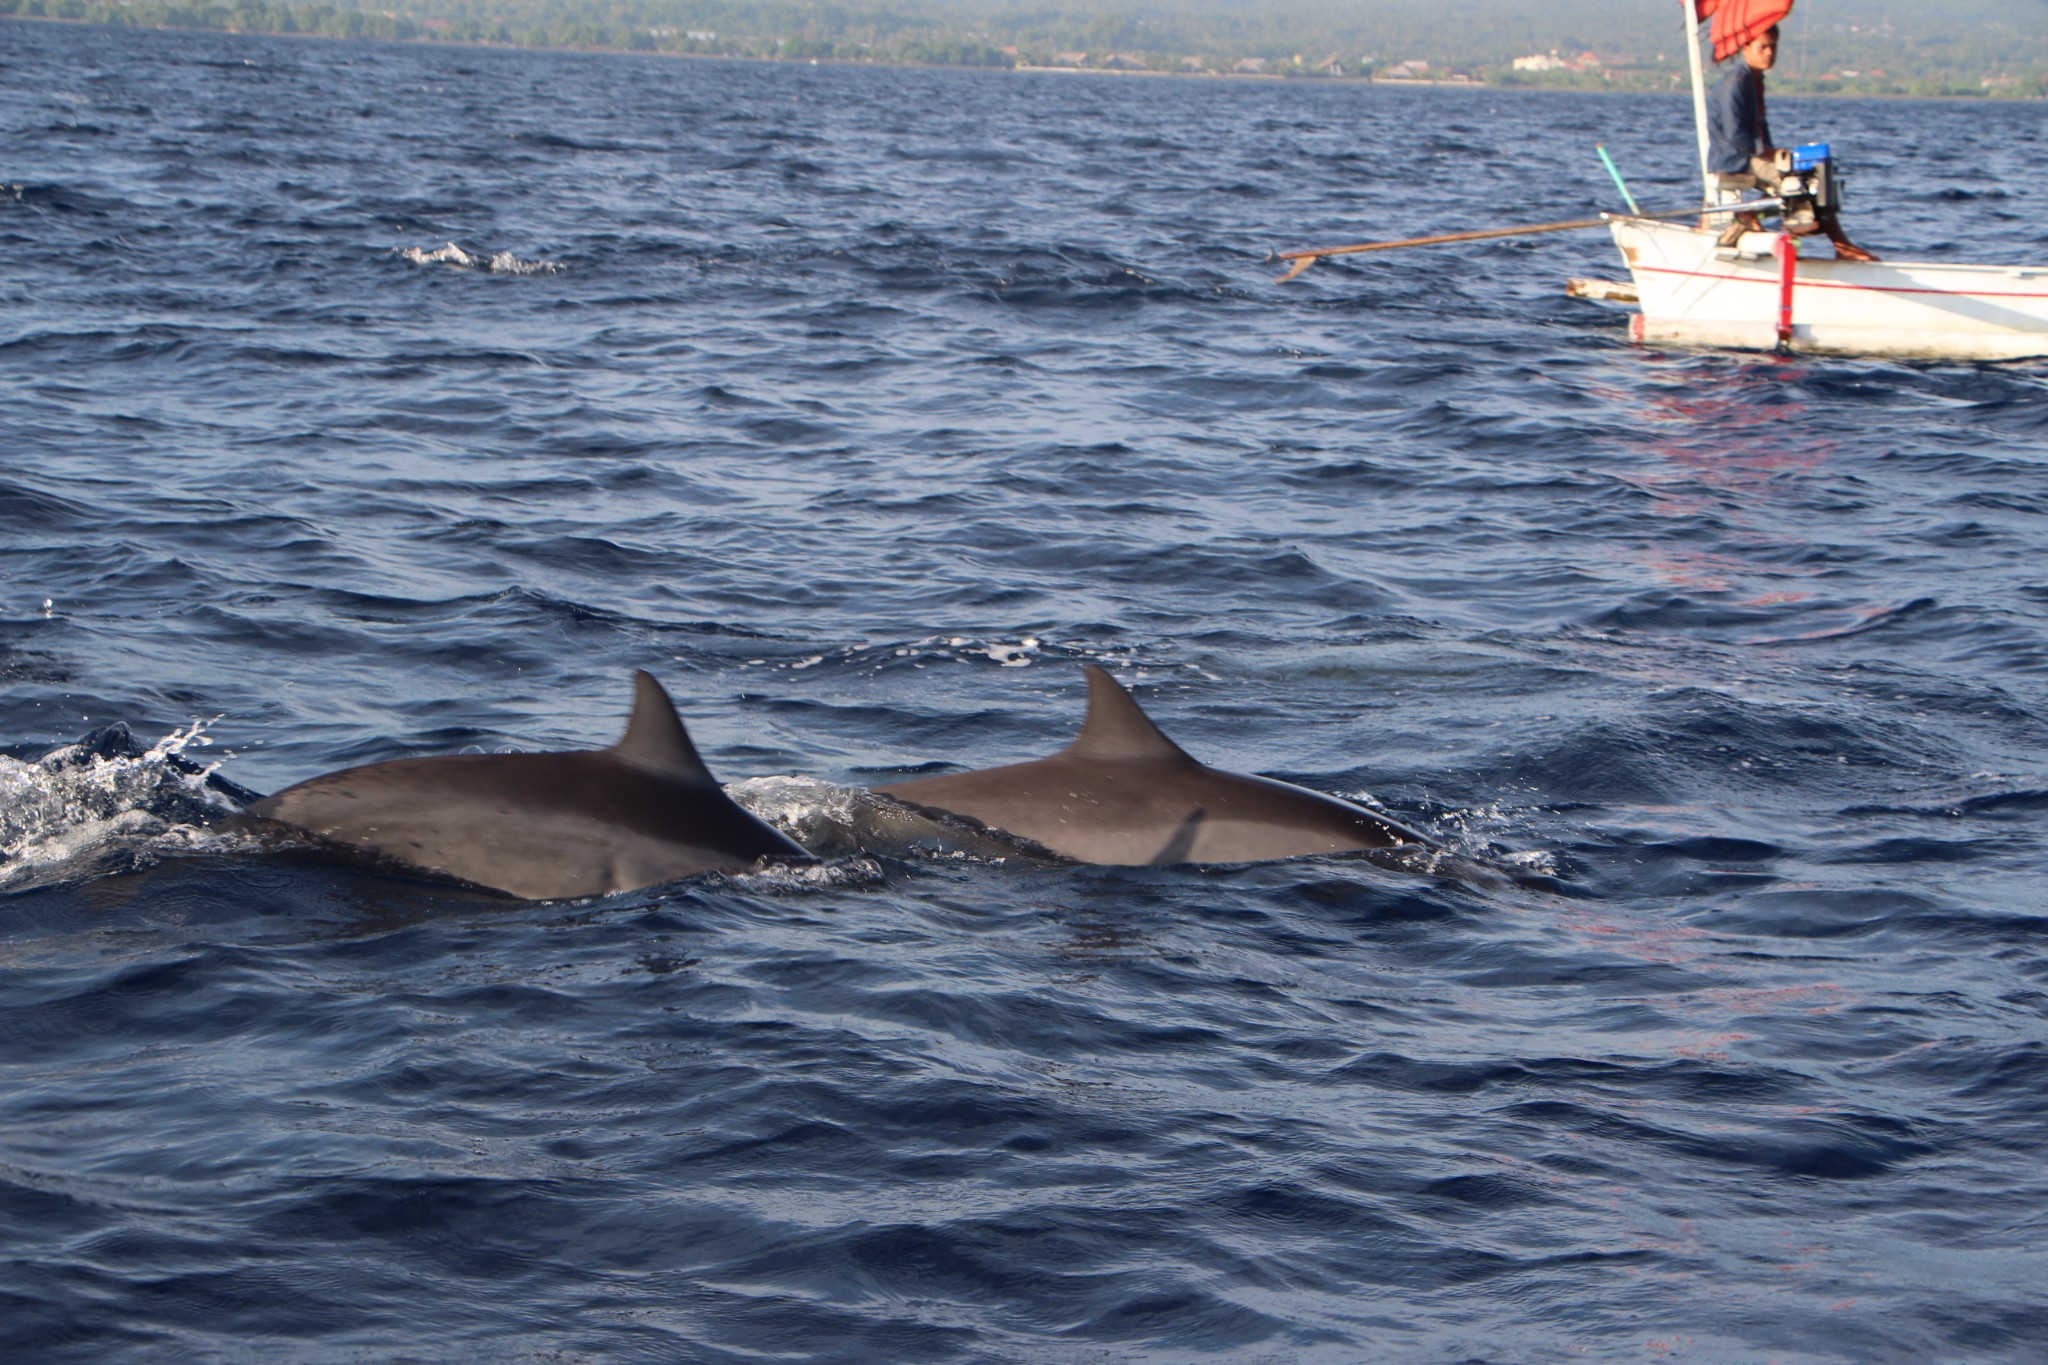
(1944, 47)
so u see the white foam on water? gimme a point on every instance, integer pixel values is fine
(497, 263)
(450, 254)
(1473, 832)
(833, 874)
(505, 263)
(838, 822)
(1008, 655)
(69, 816)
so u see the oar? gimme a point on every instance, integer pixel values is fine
(1304, 259)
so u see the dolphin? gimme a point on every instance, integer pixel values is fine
(1123, 794)
(541, 826)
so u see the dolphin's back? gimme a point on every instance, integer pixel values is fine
(1124, 794)
(542, 826)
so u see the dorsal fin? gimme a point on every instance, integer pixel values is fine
(1116, 728)
(655, 739)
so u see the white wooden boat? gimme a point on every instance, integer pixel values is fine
(1766, 293)
(1692, 293)
(1771, 291)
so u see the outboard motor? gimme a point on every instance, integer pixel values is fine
(1809, 186)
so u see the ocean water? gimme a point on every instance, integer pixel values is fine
(366, 401)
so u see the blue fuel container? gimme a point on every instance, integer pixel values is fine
(1809, 156)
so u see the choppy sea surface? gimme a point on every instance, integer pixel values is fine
(366, 401)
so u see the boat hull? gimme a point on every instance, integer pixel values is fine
(1694, 294)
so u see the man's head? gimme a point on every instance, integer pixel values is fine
(1761, 51)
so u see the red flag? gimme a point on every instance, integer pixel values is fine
(1737, 21)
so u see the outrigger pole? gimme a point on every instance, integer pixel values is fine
(1306, 258)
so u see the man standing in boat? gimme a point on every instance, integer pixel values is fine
(1742, 156)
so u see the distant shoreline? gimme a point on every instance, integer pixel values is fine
(1023, 69)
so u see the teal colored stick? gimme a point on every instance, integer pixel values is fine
(1619, 184)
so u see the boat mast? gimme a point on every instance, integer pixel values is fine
(1699, 96)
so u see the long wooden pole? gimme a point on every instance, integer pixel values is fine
(1304, 259)
(1308, 256)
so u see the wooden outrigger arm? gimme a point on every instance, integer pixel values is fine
(1306, 258)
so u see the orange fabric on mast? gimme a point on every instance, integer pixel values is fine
(1737, 21)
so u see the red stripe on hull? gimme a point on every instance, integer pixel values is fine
(1805, 283)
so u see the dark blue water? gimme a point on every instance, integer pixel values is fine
(862, 406)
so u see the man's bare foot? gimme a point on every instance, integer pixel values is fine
(1849, 251)
(1737, 225)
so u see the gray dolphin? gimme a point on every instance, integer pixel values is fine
(542, 826)
(1123, 794)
